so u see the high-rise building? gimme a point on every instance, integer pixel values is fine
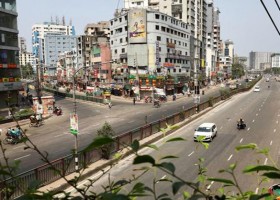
(9, 54)
(192, 12)
(275, 60)
(39, 33)
(258, 59)
(148, 42)
(227, 58)
(22, 45)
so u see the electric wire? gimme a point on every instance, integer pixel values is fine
(277, 4)
(270, 16)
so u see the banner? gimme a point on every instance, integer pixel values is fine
(74, 129)
(137, 26)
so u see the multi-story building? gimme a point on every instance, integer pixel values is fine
(227, 58)
(26, 58)
(39, 32)
(257, 58)
(151, 43)
(9, 54)
(22, 45)
(192, 12)
(213, 37)
(275, 60)
(101, 29)
(54, 45)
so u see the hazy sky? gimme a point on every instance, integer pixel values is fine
(245, 22)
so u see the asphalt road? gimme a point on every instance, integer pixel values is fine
(261, 112)
(54, 137)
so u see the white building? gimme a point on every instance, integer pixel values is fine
(26, 58)
(227, 58)
(150, 42)
(39, 31)
(275, 60)
(257, 58)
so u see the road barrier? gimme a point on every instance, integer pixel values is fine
(45, 174)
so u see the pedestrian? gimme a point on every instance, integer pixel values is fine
(134, 100)
(110, 105)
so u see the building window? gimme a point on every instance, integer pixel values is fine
(123, 50)
(112, 23)
(163, 29)
(120, 19)
(112, 42)
(157, 16)
(116, 51)
(157, 27)
(159, 49)
(174, 70)
(121, 40)
(158, 38)
(159, 59)
(180, 70)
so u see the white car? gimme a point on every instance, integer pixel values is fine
(207, 131)
(257, 88)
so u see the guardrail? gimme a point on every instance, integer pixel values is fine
(45, 174)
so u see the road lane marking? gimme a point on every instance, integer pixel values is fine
(241, 140)
(259, 109)
(270, 142)
(191, 153)
(60, 135)
(209, 186)
(265, 162)
(22, 157)
(131, 122)
(230, 157)
(253, 121)
(274, 130)
(277, 122)
(257, 190)
(257, 114)
(96, 124)
(163, 177)
(22, 146)
(221, 128)
(248, 129)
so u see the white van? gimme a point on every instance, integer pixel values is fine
(207, 131)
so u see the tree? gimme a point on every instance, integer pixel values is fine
(237, 70)
(27, 71)
(107, 132)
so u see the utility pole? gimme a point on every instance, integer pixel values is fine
(137, 75)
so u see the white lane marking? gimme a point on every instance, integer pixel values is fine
(96, 124)
(261, 105)
(209, 186)
(191, 153)
(163, 177)
(265, 162)
(221, 128)
(259, 109)
(257, 114)
(22, 146)
(253, 121)
(270, 142)
(248, 129)
(107, 116)
(149, 115)
(60, 135)
(257, 190)
(230, 157)
(278, 115)
(22, 157)
(277, 122)
(274, 130)
(241, 140)
(131, 122)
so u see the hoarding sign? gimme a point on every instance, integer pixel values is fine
(137, 24)
(74, 129)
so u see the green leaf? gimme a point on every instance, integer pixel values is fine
(186, 195)
(259, 168)
(232, 166)
(264, 151)
(144, 159)
(135, 145)
(176, 187)
(162, 195)
(246, 146)
(99, 142)
(168, 157)
(168, 166)
(272, 175)
(221, 180)
(120, 183)
(205, 145)
(175, 139)
(152, 146)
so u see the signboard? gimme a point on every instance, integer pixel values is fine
(74, 129)
(157, 54)
(137, 24)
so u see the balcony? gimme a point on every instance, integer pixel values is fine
(123, 55)
(175, 56)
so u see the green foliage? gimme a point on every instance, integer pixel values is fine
(105, 135)
(211, 103)
(27, 71)
(237, 70)
(225, 92)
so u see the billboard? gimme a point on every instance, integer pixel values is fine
(137, 26)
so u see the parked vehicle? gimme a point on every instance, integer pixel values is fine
(57, 111)
(206, 131)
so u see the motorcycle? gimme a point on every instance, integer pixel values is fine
(241, 125)
(57, 111)
(13, 136)
(148, 99)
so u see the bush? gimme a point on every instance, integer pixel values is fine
(24, 112)
(106, 131)
(211, 101)
(225, 93)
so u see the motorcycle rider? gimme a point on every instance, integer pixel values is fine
(241, 122)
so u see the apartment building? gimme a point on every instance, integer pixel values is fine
(275, 60)
(149, 42)
(257, 59)
(10, 82)
(227, 58)
(192, 12)
(39, 33)
(101, 29)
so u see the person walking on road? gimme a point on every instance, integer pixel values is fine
(134, 100)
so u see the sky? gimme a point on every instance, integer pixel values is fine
(245, 22)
